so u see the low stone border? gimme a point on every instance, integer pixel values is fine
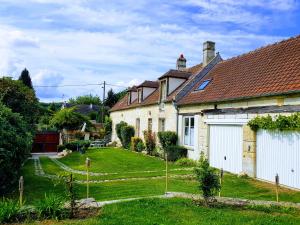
(235, 201)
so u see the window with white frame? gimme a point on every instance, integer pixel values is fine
(188, 126)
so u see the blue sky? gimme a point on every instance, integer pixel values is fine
(127, 41)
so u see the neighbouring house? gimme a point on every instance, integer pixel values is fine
(152, 104)
(93, 112)
(214, 112)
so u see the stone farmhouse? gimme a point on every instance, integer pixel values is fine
(209, 106)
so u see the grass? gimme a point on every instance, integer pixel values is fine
(51, 168)
(109, 160)
(233, 186)
(180, 211)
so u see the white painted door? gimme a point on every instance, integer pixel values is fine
(226, 147)
(278, 153)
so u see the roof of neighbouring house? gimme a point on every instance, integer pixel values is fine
(83, 109)
(154, 97)
(176, 74)
(270, 70)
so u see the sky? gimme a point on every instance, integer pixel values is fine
(124, 42)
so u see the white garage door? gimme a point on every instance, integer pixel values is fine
(279, 153)
(226, 147)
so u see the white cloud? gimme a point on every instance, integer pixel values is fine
(122, 42)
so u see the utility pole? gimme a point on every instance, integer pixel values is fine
(102, 115)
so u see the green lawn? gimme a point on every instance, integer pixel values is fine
(233, 186)
(180, 212)
(51, 168)
(110, 160)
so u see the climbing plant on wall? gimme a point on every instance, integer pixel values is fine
(281, 122)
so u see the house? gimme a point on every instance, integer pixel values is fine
(214, 113)
(151, 104)
(91, 111)
(211, 109)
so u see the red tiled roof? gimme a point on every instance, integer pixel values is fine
(271, 70)
(154, 97)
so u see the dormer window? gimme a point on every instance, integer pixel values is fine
(163, 90)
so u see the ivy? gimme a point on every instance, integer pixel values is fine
(280, 122)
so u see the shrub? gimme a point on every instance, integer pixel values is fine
(140, 146)
(107, 125)
(176, 152)
(134, 143)
(167, 138)
(9, 210)
(60, 148)
(15, 147)
(51, 207)
(186, 162)
(209, 182)
(76, 145)
(127, 132)
(150, 141)
(119, 128)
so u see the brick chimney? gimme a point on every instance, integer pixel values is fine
(181, 63)
(208, 52)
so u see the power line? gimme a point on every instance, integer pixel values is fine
(116, 85)
(68, 85)
(79, 85)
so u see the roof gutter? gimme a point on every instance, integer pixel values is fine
(243, 98)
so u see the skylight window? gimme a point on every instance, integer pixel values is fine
(203, 85)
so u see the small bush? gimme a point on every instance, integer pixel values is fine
(140, 146)
(119, 128)
(127, 132)
(9, 210)
(150, 141)
(167, 138)
(176, 152)
(134, 143)
(60, 148)
(186, 162)
(209, 182)
(76, 145)
(51, 207)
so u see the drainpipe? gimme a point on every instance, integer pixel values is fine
(177, 114)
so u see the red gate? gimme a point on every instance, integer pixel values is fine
(45, 142)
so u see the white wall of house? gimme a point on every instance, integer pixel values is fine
(174, 83)
(144, 113)
(237, 122)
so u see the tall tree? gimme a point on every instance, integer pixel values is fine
(68, 119)
(20, 99)
(111, 99)
(86, 100)
(25, 78)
